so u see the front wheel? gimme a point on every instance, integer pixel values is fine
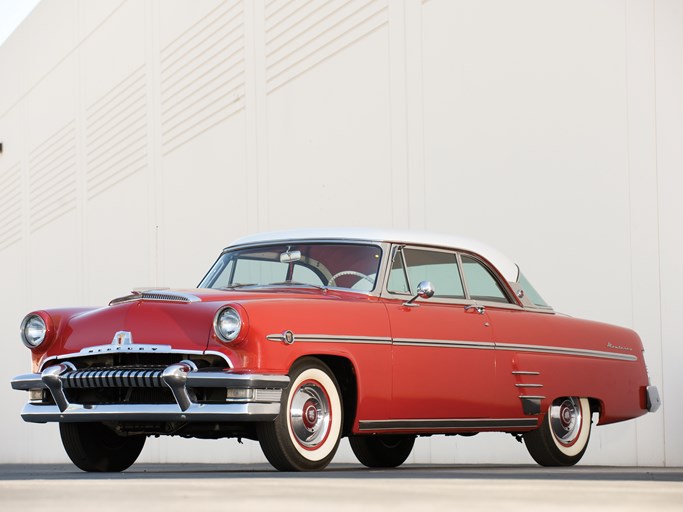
(95, 447)
(562, 438)
(306, 433)
(382, 451)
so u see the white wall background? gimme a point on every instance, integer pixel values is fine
(140, 137)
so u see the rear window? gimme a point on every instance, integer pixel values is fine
(531, 292)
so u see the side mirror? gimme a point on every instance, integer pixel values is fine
(425, 290)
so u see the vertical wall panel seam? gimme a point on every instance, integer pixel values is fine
(659, 243)
(256, 116)
(405, 131)
(79, 136)
(261, 113)
(398, 115)
(629, 177)
(251, 10)
(154, 160)
(415, 110)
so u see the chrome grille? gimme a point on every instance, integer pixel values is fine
(117, 378)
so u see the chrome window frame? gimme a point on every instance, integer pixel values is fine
(514, 303)
(384, 248)
(397, 250)
(502, 284)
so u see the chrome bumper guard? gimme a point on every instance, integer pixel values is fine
(652, 398)
(262, 404)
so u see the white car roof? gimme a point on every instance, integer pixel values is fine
(505, 266)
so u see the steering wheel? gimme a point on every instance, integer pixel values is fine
(348, 273)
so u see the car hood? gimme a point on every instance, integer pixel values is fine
(180, 319)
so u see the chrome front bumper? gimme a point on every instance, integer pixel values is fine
(256, 397)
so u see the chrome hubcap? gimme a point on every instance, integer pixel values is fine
(310, 414)
(565, 420)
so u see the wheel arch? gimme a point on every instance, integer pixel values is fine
(597, 405)
(345, 373)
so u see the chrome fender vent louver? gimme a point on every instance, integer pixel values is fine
(156, 295)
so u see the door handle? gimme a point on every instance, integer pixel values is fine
(478, 309)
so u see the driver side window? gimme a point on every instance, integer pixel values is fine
(439, 267)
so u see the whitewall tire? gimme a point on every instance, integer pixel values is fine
(562, 437)
(306, 434)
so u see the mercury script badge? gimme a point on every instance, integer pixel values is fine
(122, 338)
(123, 342)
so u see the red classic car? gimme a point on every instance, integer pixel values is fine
(297, 339)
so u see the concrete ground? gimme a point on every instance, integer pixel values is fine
(243, 488)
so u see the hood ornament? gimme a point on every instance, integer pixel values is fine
(122, 338)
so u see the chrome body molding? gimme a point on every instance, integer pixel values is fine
(528, 385)
(181, 378)
(480, 345)
(415, 342)
(327, 338)
(541, 349)
(519, 372)
(135, 349)
(152, 412)
(464, 425)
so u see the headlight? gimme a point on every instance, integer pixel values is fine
(33, 330)
(227, 324)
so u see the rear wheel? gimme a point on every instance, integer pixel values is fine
(562, 438)
(382, 451)
(95, 447)
(306, 433)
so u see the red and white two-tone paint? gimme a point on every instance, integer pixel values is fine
(299, 338)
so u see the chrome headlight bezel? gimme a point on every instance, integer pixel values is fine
(227, 324)
(33, 330)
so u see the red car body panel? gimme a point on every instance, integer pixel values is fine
(395, 380)
(617, 384)
(431, 360)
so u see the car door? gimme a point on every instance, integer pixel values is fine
(518, 389)
(442, 347)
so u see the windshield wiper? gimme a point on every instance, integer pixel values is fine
(238, 285)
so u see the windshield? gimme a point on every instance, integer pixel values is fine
(339, 265)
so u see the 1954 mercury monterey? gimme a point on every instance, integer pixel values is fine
(297, 339)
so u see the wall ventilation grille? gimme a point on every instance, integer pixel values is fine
(116, 134)
(11, 207)
(301, 35)
(202, 76)
(52, 177)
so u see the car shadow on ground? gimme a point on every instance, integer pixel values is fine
(10, 472)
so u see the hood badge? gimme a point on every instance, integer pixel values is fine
(122, 338)
(123, 342)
